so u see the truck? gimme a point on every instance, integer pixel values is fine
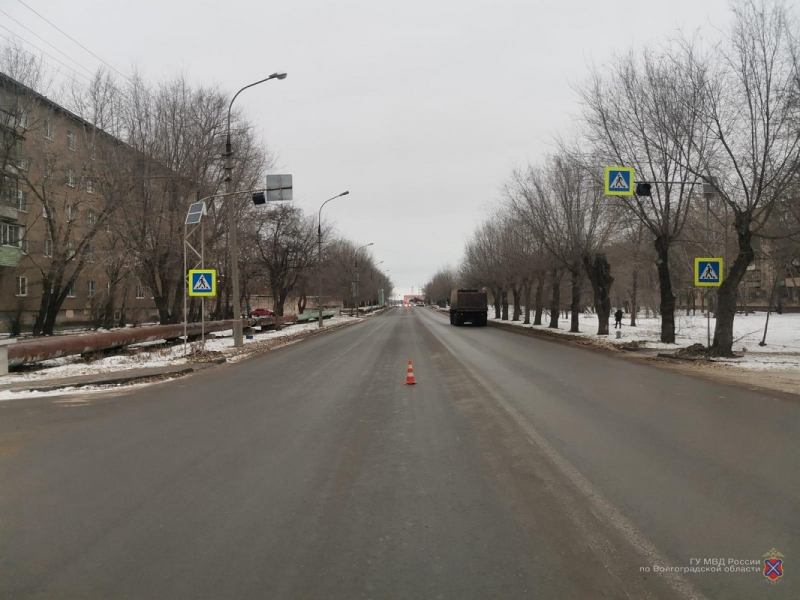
(468, 306)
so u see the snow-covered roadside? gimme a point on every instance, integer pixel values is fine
(82, 391)
(782, 352)
(140, 357)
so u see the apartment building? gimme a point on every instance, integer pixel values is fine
(56, 236)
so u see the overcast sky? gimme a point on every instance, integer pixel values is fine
(420, 109)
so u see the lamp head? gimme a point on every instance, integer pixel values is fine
(278, 76)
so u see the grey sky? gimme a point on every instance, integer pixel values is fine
(420, 109)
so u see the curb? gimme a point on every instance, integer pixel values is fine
(168, 374)
(549, 334)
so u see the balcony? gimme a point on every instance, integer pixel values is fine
(10, 256)
(8, 212)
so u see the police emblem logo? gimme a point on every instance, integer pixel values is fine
(773, 564)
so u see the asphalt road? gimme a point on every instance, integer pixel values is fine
(516, 468)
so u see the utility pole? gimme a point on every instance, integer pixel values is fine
(233, 240)
(319, 266)
(356, 278)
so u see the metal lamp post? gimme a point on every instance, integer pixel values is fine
(319, 267)
(355, 265)
(372, 276)
(384, 280)
(238, 339)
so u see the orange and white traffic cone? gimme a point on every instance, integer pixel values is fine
(410, 375)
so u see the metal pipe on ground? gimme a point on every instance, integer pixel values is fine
(39, 349)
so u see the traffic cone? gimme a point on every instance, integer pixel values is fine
(410, 375)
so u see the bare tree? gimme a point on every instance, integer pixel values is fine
(642, 111)
(564, 210)
(287, 250)
(750, 110)
(439, 287)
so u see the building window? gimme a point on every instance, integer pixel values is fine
(89, 185)
(8, 191)
(89, 254)
(22, 201)
(48, 129)
(70, 250)
(45, 213)
(71, 140)
(139, 292)
(48, 169)
(22, 286)
(90, 289)
(70, 178)
(70, 212)
(48, 247)
(90, 220)
(22, 116)
(71, 290)
(24, 163)
(9, 234)
(23, 243)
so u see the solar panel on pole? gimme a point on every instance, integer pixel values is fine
(196, 212)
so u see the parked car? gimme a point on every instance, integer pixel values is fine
(261, 312)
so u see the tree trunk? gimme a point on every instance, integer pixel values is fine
(634, 296)
(555, 300)
(537, 318)
(162, 305)
(575, 305)
(599, 272)
(726, 294)
(667, 305)
(50, 317)
(515, 292)
(526, 287)
(108, 308)
(496, 298)
(504, 300)
(123, 307)
(38, 324)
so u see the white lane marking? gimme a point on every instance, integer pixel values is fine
(603, 507)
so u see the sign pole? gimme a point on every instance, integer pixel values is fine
(203, 298)
(708, 292)
(185, 289)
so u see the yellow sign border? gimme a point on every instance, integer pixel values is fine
(697, 282)
(212, 273)
(608, 181)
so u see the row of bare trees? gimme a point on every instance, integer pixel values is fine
(107, 199)
(709, 127)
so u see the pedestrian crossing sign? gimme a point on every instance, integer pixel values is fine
(619, 181)
(707, 272)
(202, 282)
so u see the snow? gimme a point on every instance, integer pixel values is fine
(153, 354)
(781, 353)
(87, 390)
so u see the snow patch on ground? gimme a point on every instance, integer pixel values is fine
(145, 356)
(781, 353)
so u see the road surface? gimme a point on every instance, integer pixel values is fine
(516, 468)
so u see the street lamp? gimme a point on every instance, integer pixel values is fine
(238, 339)
(355, 265)
(374, 291)
(384, 281)
(319, 267)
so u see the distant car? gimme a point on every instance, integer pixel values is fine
(262, 312)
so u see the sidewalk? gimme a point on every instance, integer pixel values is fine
(112, 378)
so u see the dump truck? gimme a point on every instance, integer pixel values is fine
(468, 306)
